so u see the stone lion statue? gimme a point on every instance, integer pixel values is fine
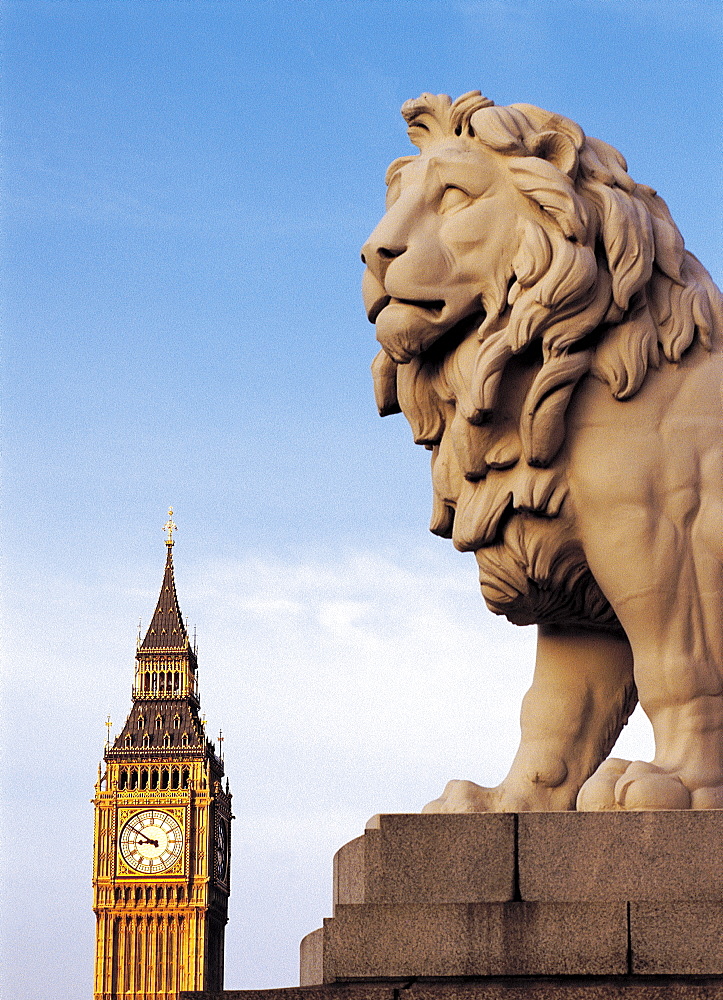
(560, 354)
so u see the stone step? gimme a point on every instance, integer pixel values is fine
(497, 988)
(403, 940)
(412, 858)
(536, 857)
(398, 941)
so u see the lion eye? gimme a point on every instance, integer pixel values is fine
(453, 197)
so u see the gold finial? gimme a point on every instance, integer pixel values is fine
(108, 725)
(170, 527)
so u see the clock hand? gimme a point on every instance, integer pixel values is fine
(146, 840)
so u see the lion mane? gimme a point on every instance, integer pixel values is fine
(600, 284)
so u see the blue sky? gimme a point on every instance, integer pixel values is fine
(187, 187)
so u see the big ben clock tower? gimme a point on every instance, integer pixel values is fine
(161, 873)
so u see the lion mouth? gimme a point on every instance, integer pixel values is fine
(434, 306)
(381, 303)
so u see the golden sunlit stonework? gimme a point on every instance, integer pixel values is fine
(161, 866)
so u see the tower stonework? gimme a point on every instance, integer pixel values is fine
(161, 867)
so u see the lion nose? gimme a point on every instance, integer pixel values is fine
(386, 253)
(371, 251)
(377, 255)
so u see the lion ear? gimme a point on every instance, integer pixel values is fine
(555, 147)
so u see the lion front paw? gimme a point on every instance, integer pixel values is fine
(464, 797)
(598, 792)
(621, 784)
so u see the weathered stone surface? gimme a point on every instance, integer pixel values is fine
(656, 856)
(350, 871)
(585, 887)
(311, 955)
(476, 939)
(339, 991)
(571, 988)
(498, 988)
(409, 858)
(677, 938)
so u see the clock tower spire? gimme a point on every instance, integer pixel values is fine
(162, 827)
(166, 665)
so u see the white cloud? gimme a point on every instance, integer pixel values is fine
(354, 647)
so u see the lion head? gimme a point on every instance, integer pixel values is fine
(516, 257)
(513, 223)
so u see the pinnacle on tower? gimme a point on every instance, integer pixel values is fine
(166, 665)
(167, 630)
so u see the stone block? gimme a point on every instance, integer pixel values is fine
(350, 870)
(569, 988)
(339, 991)
(429, 859)
(614, 856)
(311, 965)
(676, 938)
(478, 939)
(497, 988)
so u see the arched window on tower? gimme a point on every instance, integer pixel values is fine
(123, 778)
(166, 740)
(184, 740)
(154, 778)
(146, 741)
(176, 721)
(141, 722)
(184, 778)
(129, 742)
(159, 722)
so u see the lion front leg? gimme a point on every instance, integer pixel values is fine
(681, 696)
(662, 571)
(581, 696)
(677, 637)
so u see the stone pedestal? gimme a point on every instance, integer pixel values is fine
(537, 906)
(534, 894)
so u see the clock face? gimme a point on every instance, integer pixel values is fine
(151, 842)
(221, 851)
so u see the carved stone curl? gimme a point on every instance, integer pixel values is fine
(560, 353)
